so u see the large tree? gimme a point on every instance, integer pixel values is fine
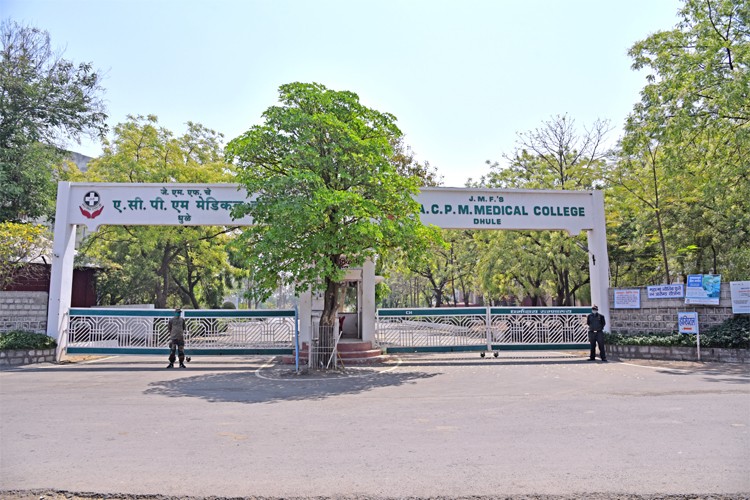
(157, 264)
(557, 155)
(44, 101)
(331, 191)
(686, 150)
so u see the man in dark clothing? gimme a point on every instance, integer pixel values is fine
(176, 328)
(596, 324)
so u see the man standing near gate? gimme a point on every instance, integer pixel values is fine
(596, 324)
(176, 328)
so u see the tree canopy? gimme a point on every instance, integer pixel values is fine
(686, 150)
(162, 265)
(44, 100)
(330, 193)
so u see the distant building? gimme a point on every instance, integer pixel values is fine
(81, 161)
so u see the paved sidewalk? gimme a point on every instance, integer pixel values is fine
(422, 425)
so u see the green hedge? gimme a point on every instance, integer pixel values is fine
(734, 333)
(20, 339)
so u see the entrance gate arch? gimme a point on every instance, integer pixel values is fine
(96, 204)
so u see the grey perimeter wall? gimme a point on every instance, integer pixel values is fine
(660, 315)
(23, 311)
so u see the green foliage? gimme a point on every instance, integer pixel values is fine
(445, 276)
(228, 305)
(21, 339)
(22, 243)
(519, 264)
(44, 99)
(733, 333)
(164, 266)
(686, 149)
(331, 191)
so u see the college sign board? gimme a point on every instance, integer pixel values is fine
(468, 208)
(151, 204)
(97, 204)
(94, 205)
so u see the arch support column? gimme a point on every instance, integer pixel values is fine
(61, 275)
(368, 301)
(599, 259)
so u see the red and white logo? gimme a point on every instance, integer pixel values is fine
(91, 207)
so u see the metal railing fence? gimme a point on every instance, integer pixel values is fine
(323, 348)
(482, 327)
(473, 328)
(206, 329)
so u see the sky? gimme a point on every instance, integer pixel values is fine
(462, 77)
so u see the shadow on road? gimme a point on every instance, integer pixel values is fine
(282, 385)
(409, 360)
(139, 365)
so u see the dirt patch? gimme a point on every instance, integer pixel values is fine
(79, 358)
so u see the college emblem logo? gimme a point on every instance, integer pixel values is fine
(91, 207)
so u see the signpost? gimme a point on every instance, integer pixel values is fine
(703, 289)
(666, 291)
(627, 298)
(688, 324)
(740, 291)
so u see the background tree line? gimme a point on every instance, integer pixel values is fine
(676, 181)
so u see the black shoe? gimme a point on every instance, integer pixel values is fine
(182, 365)
(170, 365)
(604, 361)
(591, 359)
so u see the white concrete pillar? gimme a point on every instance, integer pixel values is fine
(61, 275)
(368, 301)
(599, 259)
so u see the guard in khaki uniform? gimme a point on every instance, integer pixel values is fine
(176, 328)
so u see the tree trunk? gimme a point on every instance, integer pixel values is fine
(658, 217)
(331, 298)
(663, 246)
(162, 290)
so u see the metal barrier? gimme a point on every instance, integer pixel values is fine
(482, 328)
(323, 351)
(144, 331)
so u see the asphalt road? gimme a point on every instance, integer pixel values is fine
(454, 425)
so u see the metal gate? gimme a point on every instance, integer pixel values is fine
(482, 328)
(144, 331)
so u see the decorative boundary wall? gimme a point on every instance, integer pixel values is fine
(679, 353)
(12, 357)
(660, 315)
(23, 311)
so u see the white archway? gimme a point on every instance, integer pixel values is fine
(95, 204)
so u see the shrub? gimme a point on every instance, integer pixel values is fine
(21, 339)
(228, 305)
(733, 333)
